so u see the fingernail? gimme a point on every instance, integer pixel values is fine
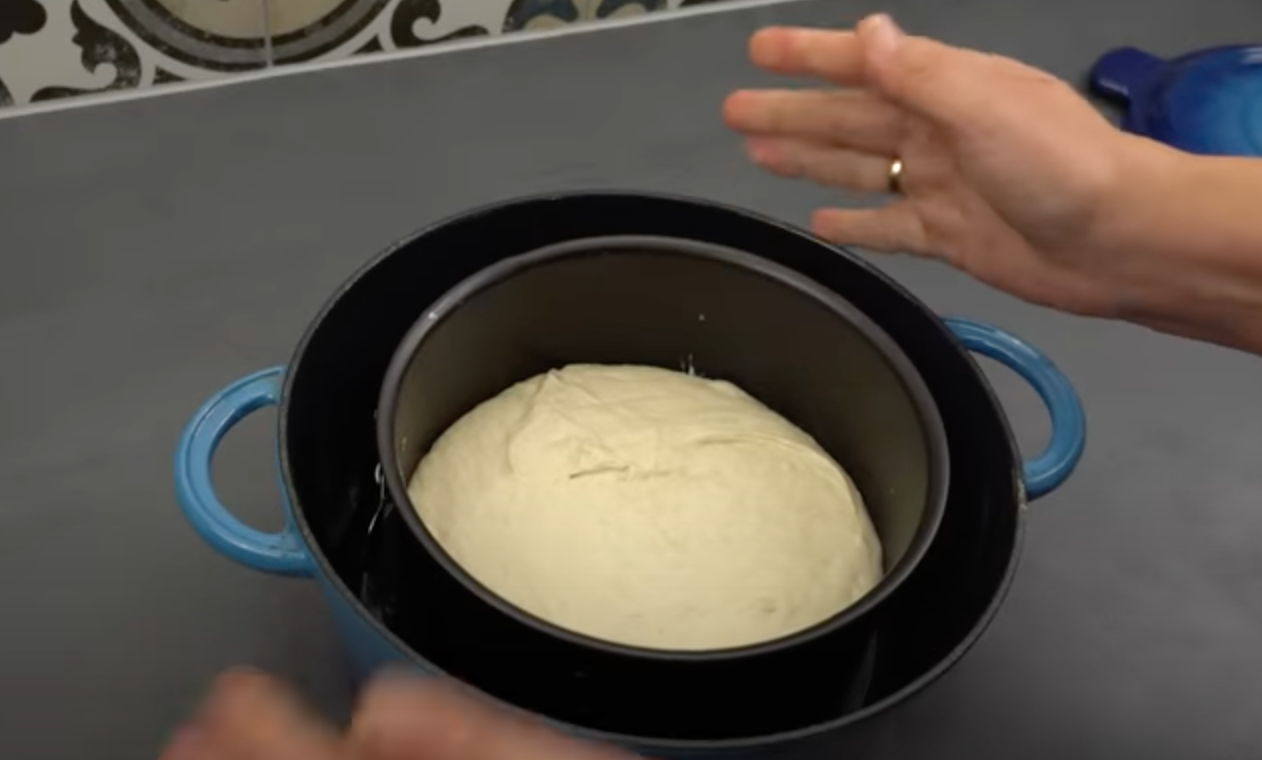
(765, 48)
(886, 24)
(882, 34)
(399, 691)
(758, 150)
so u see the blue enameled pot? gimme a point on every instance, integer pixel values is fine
(393, 604)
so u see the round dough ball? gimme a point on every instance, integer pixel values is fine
(648, 507)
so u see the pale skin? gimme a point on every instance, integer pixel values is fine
(1012, 177)
(250, 716)
(1009, 175)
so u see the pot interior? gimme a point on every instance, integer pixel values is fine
(686, 306)
(329, 457)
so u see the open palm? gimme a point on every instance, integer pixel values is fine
(1006, 170)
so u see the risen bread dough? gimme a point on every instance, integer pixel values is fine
(648, 507)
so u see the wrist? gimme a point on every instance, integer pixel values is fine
(1183, 249)
(1132, 239)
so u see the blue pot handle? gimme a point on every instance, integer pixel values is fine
(278, 553)
(1048, 470)
(1124, 73)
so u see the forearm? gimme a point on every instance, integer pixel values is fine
(1189, 231)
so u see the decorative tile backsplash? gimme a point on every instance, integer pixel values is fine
(52, 49)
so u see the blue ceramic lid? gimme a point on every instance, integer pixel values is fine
(1206, 102)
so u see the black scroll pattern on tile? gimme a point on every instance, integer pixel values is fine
(21, 17)
(522, 12)
(162, 76)
(609, 7)
(18, 17)
(100, 46)
(408, 12)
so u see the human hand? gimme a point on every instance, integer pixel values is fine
(1007, 172)
(250, 716)
(403, 718)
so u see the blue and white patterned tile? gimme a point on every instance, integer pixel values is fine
(551, 14)
(195, 36)
(53, 49)
(57, 48)
(376, 26)
(406, 24)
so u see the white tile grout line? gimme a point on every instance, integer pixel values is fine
(269, 57)
(474, 43)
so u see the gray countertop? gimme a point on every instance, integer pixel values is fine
(153, 250)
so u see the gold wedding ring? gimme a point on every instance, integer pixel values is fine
(896, 176)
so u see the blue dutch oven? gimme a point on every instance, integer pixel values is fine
(1208, 101)
(464, 308)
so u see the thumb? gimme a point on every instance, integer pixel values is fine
(934, 80)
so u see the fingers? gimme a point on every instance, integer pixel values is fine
(406, 719)
(930, 78)
(938, 81)
(825, 54)
(252, 717)
(893, 228)
(846, 118)
(824, 164)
